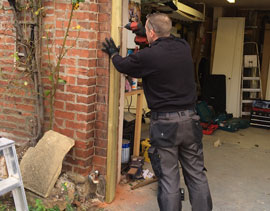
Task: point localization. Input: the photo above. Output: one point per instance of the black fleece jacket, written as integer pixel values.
(167, 73)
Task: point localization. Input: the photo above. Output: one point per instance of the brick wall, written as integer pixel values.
(17, 111)
(81, 104)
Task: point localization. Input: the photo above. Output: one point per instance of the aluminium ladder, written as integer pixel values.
(251, 78)
(14, 181)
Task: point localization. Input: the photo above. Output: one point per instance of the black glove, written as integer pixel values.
(109, 47)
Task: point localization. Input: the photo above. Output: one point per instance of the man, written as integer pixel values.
(167, 73)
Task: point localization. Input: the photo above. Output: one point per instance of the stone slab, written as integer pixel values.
(41, 165)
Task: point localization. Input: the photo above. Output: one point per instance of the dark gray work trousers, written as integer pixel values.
(177, 136)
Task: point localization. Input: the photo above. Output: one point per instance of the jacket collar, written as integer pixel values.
(171, 37)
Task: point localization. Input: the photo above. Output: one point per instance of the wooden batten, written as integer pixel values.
(113, 118)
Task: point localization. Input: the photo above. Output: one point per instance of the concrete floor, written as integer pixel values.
(238, 175)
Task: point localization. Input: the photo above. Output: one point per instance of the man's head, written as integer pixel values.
(157, 25)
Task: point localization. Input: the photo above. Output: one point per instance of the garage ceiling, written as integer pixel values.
(259, 4)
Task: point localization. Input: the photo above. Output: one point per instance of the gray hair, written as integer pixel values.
(160, 23)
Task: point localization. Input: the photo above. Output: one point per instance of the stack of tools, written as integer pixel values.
(136, 164)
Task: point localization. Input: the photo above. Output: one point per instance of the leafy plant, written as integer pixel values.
(3, 207)
(40, 207)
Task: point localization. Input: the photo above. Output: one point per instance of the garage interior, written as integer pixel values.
(230, 44)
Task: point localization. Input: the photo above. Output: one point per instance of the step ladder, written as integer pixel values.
(14, 181)
(251, 78)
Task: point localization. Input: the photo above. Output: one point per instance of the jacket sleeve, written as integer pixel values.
(130, 65)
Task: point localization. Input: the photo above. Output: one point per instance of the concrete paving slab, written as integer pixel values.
(238, 175)
(41, 165)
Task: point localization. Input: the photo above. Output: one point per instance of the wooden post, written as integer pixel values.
(113, 117)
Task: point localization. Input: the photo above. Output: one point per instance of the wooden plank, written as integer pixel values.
(113, 116)
(228, 59)
(134, 92)
(265, 58)
(138, 124)
(122, 87)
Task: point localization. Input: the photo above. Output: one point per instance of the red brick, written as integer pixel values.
(102, 81)
(15, 119)
(84, 153)
(101, 134)
(64, 131)
(102, 90)
(85, 126)
(29, 101)
(7, 125)
(87, 100)
(87, 63)
(68, 43)
(88, 35)
(63, 6)
(102, 17)
(94, 26)
(76, 125)
(80, 108)
(100, 152)
(101, 116)
(59, 105)
(69, 79)
(84, 135)
(80, 90)
(21, 133)
(83, 162)
(101, 143)
(86, 81)
(101, 107)
(86, 117)
(11, 111)
(82, 53)
(104, 8)
(101, 125)
(104, 62)
(103, 35)
(59, 122)
(59, 33)
(104, 27)
(99, 161)
(81, 144)
(69, 61)
(49, 11)
(83, 171)
(13, 99)
(60, 14)
(65, 97)
(102, 98)
(64, 115)
(25, 107)
(48, 18)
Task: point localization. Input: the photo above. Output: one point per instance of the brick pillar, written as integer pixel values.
(101, 132)
(81, 104)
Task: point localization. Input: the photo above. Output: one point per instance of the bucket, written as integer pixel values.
(125, 151)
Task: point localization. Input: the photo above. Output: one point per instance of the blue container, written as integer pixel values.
(125, 151)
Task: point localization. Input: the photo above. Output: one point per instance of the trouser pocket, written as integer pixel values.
(163, 133)
(155, 161)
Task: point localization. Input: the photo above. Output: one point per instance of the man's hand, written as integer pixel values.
(109, 47)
